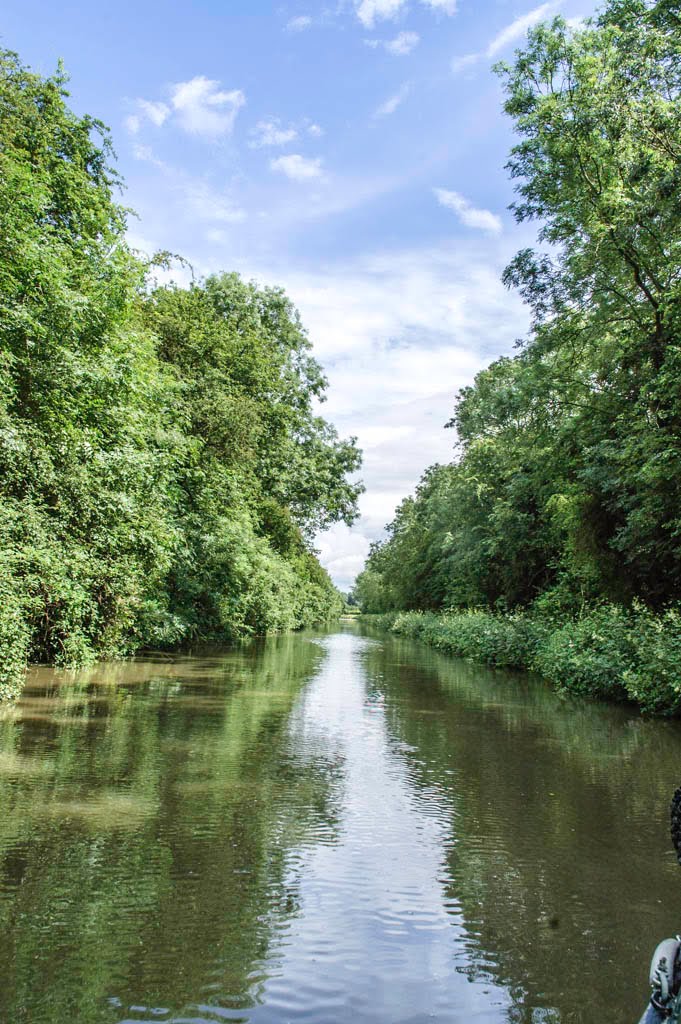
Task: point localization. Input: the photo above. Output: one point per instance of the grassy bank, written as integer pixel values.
(609, 652)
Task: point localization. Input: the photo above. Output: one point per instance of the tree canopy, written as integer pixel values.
(566, 486)
(163, 469)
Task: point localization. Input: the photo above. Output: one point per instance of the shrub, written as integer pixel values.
(507, 642)
(14, 641)
(589, 655)
(608, 652)
(654, 680)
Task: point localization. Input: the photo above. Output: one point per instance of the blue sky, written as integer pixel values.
(352, 152)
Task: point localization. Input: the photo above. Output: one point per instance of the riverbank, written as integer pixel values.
(609, 652)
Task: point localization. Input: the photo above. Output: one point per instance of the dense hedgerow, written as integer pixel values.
(609, 652)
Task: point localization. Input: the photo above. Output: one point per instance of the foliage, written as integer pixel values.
(566, 489)
(500, 641)
(609, 652)
(162, 465)
(259, 472)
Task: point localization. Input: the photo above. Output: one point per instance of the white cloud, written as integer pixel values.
(271, 133)
(398, 334)
(157, 113)
(217, 236)
(211, 205)
(343, 553)
(447, 6)
(400, 46)
(315, 130)
(204, 109)
(200, 106)
(518, 28)
(371, 11)
(467, 61)
(192, 196)
(393, 102)
(297, 167)
(147, 110)
(299, 24)
(146, 153)
(511, 34)
(484, 220)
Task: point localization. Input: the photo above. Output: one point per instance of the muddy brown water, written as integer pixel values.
(335, 827)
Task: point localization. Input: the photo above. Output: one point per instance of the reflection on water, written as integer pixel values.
(327, 829)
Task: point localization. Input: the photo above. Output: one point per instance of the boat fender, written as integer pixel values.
(665, 979)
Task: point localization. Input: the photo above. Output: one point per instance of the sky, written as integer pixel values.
(353, 153)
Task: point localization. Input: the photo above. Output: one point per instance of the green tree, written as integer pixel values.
(567, 478)
(262, 471)
(599, 115)
(83, 429)
(163, 468)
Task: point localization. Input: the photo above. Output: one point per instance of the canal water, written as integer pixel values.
(328, 828)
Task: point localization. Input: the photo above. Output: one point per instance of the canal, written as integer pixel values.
(328, 828)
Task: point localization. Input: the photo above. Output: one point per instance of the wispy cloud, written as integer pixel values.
(203, 108)
(446, 6)
(519, 28)
(469, 215)
(299, 24)
(146, 154)
(315, 130)
(157, 113)
(297, 167)
(211, 205)
(147, 110)
(271, 133)
(510, 34)
(400, 46)
(393, 102)
(371, 11)
(465, 62)
(195, 196)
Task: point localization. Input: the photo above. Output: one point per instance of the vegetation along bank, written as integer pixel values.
(162, 466)
(553, 541)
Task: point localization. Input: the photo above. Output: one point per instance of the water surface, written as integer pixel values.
(328, 828)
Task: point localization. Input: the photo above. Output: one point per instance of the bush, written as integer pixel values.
(590, 655)
(609, 652)
(14, 641)
(507, 642)
(654, 681)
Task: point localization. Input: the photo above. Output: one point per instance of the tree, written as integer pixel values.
(568, 476)
(163, 468)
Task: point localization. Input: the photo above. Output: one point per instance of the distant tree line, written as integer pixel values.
(162, 466)
(566, 489)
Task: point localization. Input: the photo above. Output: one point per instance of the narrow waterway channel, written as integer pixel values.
(328, 828)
